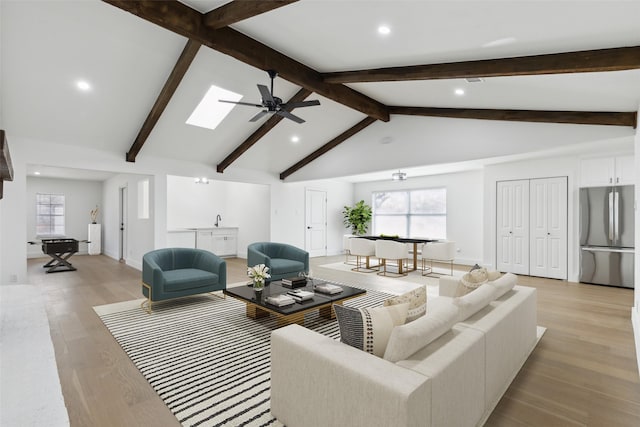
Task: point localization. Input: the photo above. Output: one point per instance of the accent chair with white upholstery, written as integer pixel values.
(442, 252)
(346, 247)
(363, 248)
(390, 252)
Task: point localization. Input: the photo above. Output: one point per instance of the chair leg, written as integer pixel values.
(148, 301)
(368, 268)
(400, 272)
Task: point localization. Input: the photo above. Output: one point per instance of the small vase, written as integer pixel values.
(257, 292)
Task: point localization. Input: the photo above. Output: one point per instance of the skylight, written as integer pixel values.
(210, 111)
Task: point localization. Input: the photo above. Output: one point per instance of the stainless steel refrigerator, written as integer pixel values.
(607, 235)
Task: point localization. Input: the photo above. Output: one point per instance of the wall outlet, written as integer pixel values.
(13, 278)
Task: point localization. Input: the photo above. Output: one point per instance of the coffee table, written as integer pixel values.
(257, 307)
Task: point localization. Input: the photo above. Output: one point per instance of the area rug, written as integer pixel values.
(414, 277)
(207, 361)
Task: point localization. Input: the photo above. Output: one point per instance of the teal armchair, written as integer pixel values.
(283, 260)
(177, 272)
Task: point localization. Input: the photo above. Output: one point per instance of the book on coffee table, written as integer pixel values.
(280, 300)
(327, 288)
(300, 295)
(294, 282)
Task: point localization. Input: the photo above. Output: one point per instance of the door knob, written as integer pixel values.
(308, 228)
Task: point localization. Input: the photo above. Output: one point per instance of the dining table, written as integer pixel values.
(413, 240)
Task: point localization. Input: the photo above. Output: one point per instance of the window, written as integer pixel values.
(49, 214)
(411, 213)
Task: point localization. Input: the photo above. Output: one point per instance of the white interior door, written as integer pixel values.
(549, 227)
(123, 225)
(316, 222)
(512, 226)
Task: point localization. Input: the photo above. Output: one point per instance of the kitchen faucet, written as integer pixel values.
(218, 218)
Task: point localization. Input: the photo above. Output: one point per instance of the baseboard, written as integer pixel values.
(635, 322)
(135, 264)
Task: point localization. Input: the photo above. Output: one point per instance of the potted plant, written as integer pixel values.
(357, 217)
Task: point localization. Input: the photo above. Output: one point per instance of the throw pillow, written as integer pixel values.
(368, 329)
(471, 280)
(417, 300)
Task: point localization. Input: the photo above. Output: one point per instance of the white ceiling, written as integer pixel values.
(47, 45)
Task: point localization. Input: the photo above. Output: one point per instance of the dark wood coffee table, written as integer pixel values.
(294, 313)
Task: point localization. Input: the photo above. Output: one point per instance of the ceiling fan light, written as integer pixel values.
(399, 176)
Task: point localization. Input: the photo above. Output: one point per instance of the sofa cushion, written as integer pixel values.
(283, 266)
(368, 329)
(417, 300)
(407, 339)
(503, 284)
(475, 301)
(188, 278)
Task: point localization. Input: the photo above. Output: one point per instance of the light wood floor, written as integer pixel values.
(582, 373)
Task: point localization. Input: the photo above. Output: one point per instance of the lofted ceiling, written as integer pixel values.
(47, 46)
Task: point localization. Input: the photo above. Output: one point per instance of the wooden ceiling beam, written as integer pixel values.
(328, 146)
(587, 61)
(188, 22)
(179, 70)
(239, 10)
(260, 132)
(573, 117)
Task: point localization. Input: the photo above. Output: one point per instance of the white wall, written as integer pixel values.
(464, 207)
(80, 198)
(635, 311)
(288, 211)
(139, 231)
(242, 205)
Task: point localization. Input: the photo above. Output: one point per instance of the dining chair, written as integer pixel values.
(363, 248)
(392, 253)
(440, 252)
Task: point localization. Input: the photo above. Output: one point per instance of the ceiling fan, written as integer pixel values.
(273, 104)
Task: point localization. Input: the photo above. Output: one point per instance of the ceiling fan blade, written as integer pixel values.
(291, 105)
(259, 116)
(288, 115)
(266, 95)
(241, 103)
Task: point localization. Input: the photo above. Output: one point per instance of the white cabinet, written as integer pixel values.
(531, 227)
(220, 241)
(95, 239)
(602, 171)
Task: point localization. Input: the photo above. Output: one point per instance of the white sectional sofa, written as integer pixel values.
(448, 368)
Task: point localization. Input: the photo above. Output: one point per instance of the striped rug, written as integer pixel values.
(206, 360)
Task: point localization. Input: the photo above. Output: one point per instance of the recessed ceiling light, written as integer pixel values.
(295, 138)
(36, 173)
(83, 85)
(459, 91)
(210, 111)
(384, 30)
